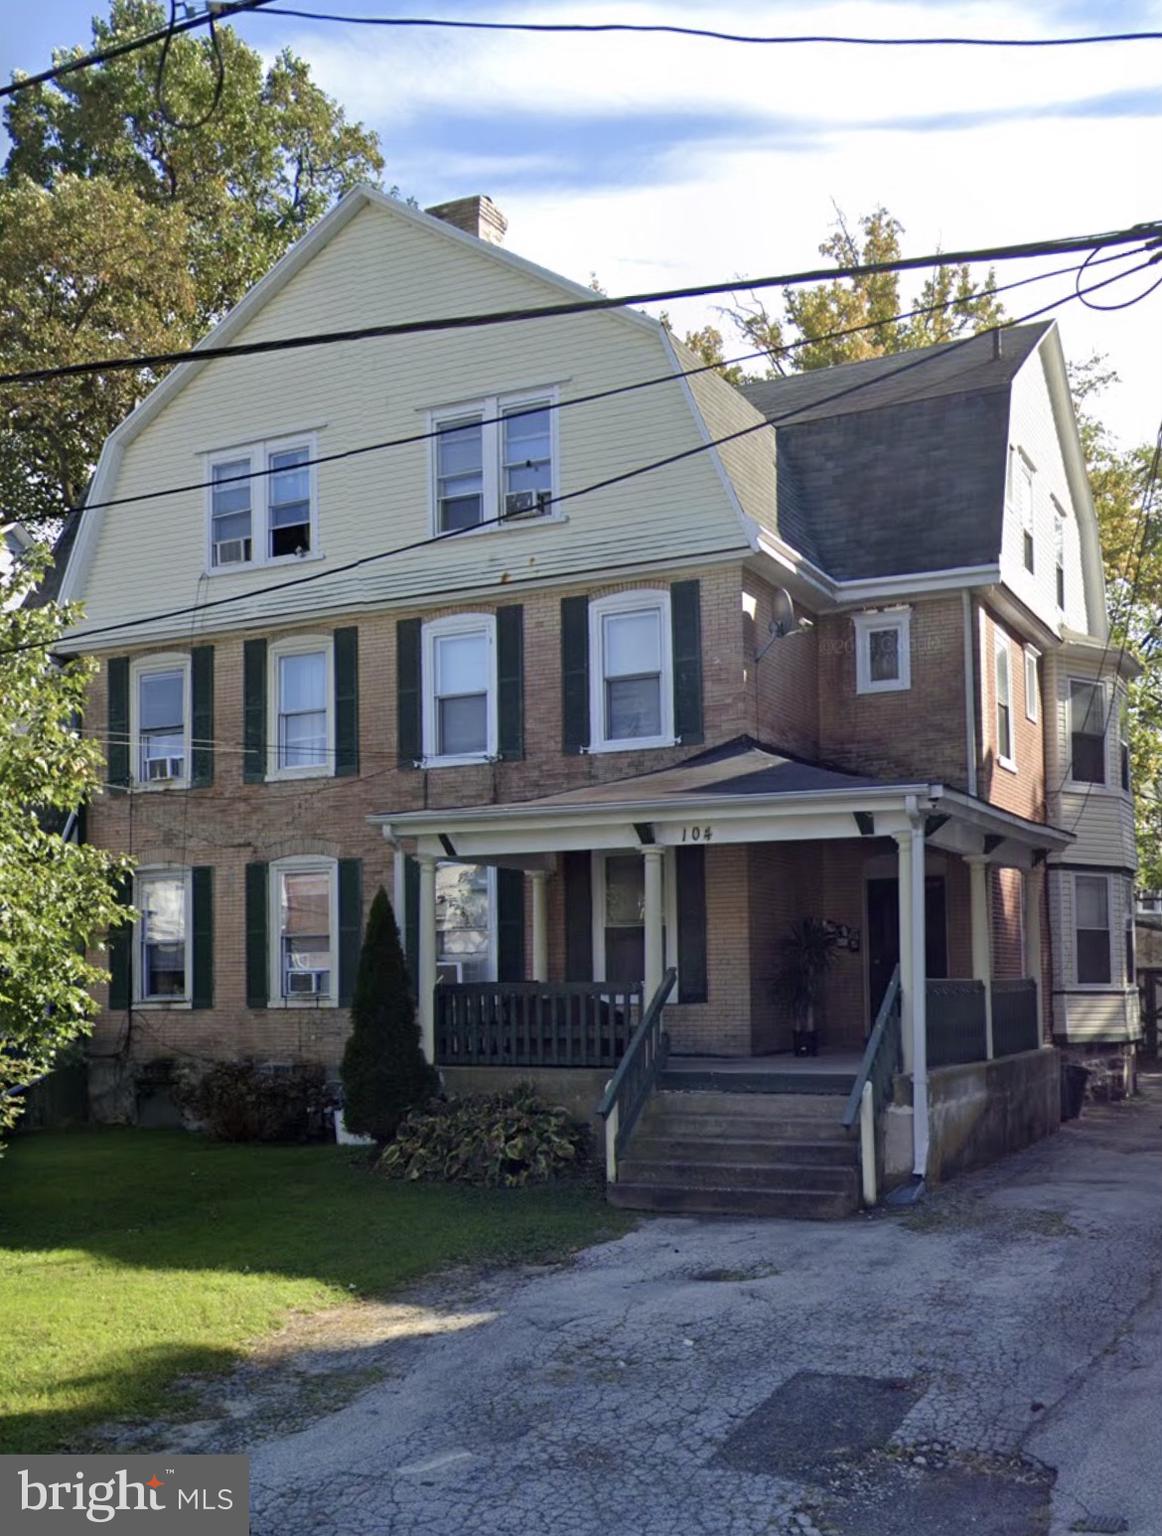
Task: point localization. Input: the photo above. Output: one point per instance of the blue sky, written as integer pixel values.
(654, 161)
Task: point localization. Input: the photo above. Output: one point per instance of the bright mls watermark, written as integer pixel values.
(152, 1495)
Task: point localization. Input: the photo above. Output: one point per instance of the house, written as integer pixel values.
(15, 542)
(604, 730)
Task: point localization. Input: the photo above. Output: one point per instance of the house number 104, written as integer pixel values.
(697, 834)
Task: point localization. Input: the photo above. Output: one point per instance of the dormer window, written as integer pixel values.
(262, 504)
(883, 662)
(494, 462)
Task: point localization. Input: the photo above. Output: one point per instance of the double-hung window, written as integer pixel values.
(1004, 678)
(1087, 732)
(161, 969)
(305, 900)
(1059, 554)
(459, 687)
(161, 711)
(883, 661)
(631, 684)
(1021, 500)
(1091, 899)
(1032, 683)
(302, 700)
(1124, 741)
(263, 503)
(494, 461)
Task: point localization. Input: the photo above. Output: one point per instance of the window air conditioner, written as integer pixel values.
(232, 552)
(306, 983)
(164, 768)
(525, 503)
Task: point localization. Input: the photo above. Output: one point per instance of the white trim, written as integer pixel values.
(1093, 986)
(431, 633)
(305, 864)
(598, 858)
(179, 874)
(258, 452)
(1032, 695)
(299, 645)
(878, 588)
(640, 599)
(877, 622)
(1003, 647)
(489, 407)
(142, 666)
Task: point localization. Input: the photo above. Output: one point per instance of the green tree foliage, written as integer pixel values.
(384, 1071)
(56, 897)
(162, 229)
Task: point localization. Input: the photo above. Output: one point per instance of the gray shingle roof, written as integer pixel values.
(897, 464)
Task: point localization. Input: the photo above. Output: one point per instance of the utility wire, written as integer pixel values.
(717, 36)
(216, 10)
(75, 641)
(1072, 245)
(603, 394)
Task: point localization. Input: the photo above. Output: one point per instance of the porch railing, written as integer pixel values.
(956, 1022)
(881, 1056)
(637, 1072)
(1015, 1017)
(535, 1024)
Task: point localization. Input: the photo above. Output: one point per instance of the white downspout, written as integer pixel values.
(969, 691)
(919, 998)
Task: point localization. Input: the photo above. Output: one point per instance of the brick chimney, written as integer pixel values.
(477, 216)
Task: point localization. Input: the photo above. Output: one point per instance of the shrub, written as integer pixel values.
(242, 1101)
(384, 1072)
(500, 1140)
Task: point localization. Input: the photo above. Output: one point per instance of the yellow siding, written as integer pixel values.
(749, 460)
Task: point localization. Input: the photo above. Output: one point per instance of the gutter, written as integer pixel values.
(969, 692)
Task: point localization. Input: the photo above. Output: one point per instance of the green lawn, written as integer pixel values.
(129, 1257)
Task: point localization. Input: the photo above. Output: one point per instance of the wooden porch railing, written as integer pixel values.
(1015, 1017)
(637, 1072)
(956, 1021)
(535, 1024)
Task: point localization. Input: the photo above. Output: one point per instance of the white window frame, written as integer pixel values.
(490, 408)
(493, 920)
(259, 454)
(1059, 556)
(1032, 683)
(307, 864)
(143, 666)
(671, 957)
(1021, 464)
(872, 622)
(433, 631)
(142, 876)
(1002, 647)
(1096, 986)
(599, 610)
(1084, 786)
(299, 645)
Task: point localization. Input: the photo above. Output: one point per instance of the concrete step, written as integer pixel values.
(820, 1106)
(736, 1082)
(670, 1122)
(834, 1152)
(682, 1199)
(714, 1175)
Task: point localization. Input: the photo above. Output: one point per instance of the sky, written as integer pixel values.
(655, 162)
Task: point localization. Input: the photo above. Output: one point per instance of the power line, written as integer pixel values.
(717, 36)
(604, 394)
(216, 10)
(1079, 245)
(75, 641)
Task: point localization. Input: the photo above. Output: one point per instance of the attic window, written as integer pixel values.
(262, 504)
(494, 462)
(883, 661)
(1021, 501)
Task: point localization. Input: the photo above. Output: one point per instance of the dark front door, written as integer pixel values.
(883, 934)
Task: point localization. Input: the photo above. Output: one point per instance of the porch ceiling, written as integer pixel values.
(740, 793)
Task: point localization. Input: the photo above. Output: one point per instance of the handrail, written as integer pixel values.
(637, 1071)
(875, 1044)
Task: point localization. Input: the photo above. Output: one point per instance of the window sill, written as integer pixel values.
(297, 1003)
(291, 775)
(277, 562)
(157, 786)
(162, 1004)
(481, 529)
(465, 760)
(635, 744)
(1009, 764)
(1082, 787)
(896, 686)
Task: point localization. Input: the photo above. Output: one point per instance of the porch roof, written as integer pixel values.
(739, 792)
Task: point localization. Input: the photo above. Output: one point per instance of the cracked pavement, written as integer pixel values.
(1018, 1308)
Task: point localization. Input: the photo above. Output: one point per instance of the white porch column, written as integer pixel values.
(904, 884)
(653, 919)
(982, 961)
(919, 966)
(426, 982)
(540, 926)
(1032, 886)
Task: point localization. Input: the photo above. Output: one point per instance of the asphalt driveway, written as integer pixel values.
(989, 1363)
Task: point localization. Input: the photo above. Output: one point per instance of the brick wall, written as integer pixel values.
(1023, 790)
(782, 673)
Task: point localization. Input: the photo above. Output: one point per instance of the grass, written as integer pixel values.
(129, 1258)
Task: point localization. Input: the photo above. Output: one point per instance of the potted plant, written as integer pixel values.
(805, 954)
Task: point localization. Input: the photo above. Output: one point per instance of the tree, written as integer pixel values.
(56, 896)
(384, 1071)
(205, 212)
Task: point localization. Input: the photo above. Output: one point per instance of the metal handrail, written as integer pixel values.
(881, 1037)
(637, 1071)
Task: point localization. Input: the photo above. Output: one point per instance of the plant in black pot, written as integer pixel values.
(805, 954)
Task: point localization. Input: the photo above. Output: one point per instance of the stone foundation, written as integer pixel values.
(1112, 1068)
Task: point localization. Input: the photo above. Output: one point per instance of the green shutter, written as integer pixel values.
(510, 924)
(409, 743)
(691, 870)
(257, 937)
(510, 680)
(202, 931)
(117, 732)
(350, 926)
(254, 711)
(202, 716)
(411, 918)
(575, 673)
(346, 702)
(120, 951)
(577, 869)
(686, 631)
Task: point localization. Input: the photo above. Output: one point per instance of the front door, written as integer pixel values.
(883, 934)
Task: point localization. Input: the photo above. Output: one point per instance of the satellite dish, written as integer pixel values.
(783, 616)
